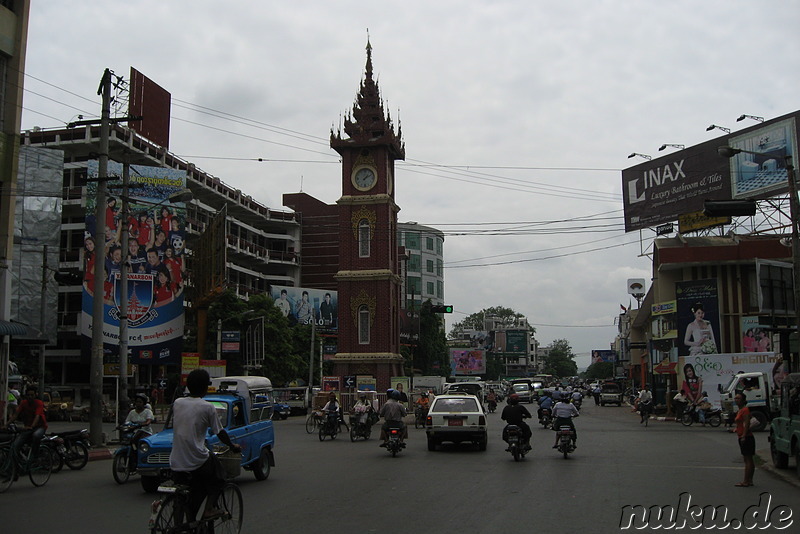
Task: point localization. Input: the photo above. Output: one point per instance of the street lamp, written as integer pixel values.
(794, 212)
(665, 145)
(754, 117)
(714, 126)
(634, 154)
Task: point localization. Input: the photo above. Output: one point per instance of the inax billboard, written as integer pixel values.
(661, 190)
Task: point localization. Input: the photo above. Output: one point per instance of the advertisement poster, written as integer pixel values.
(467, 361)
(156, 234)
(754, 337)
(303, 306)
(698, 317)
(330, 383)
(764, 173)
(516, 341)
(604, 356)
(366, 383)
(665, 320)
(704, 373)
(402, 384)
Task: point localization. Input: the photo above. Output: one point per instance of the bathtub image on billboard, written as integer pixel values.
(764, 173)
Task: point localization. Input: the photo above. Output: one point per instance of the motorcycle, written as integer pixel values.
(330, 427)
(566, 440)
(547, 418)
(690, 416)
(516, 446)
(127, 455)
(492, 404)
(361, 425)
(577, 403)
(394, 443)
(70, 448)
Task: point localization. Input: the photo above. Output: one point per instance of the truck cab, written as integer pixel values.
(784, 436)
(762, 402)
(244, 406)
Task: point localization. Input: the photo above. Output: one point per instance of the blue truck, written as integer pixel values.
(245, 408)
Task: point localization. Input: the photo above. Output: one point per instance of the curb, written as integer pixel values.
(99, 453)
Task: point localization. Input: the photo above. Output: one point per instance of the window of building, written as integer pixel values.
(363, 325)
(439, 247)
(363, 238)
(412, 240)
(414, 263)
(439, 289)
(439, 268)
(428, 243)
(430, 288)
(429, 266)
(414, 285)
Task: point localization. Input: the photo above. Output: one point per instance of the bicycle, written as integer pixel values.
(173, 513)
(314, 420)
(15, 461)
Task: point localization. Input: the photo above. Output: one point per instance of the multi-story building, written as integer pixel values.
(13, 44)
(424, 270)
(262, 243)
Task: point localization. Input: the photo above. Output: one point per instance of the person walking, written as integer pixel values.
(747, 443)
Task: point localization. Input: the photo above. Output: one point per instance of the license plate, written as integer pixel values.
(455, 422)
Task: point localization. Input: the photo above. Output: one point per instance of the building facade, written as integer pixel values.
(423, 278)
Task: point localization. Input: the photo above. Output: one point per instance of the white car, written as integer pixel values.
(456, 417)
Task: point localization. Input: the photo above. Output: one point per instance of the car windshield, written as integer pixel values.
(521, 387)
(455, 405)
(611, 388)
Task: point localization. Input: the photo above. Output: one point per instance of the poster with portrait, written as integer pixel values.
(698, 317)
(303, 306)
(402, 385)
(155, 254)
(467, 361)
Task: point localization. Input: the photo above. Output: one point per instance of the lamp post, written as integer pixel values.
(794, 213)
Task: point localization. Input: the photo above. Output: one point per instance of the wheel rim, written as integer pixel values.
(165, 519)
(77, 456)
(120, 468)
(7, 468)
(231, 502)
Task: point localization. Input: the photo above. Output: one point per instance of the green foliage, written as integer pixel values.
(475, 321)
(561, 360)
(431, 354)
(600, 370)
(286, 348)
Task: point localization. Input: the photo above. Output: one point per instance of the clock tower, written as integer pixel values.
(368, 279)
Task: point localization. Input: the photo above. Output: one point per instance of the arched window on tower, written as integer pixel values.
(363, 238)
(363, 325)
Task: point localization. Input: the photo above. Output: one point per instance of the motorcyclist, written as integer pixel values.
(515, 414)
(545, 403)
(332, 411)
(393, 412)
(563, 412)
(491, 399)
(363, 408)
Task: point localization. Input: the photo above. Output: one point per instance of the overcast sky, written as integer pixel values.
(518, 116)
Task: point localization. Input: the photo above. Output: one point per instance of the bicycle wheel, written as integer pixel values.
(77, 455)
(714, 420)
(6, 469)
(230, 501)
(311, 423)
(40, 467)
(119, 468)
(165, 518)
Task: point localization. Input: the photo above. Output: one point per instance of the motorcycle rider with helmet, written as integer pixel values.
(563, 412)
(515, 414)
(392, 411)
(545, 403)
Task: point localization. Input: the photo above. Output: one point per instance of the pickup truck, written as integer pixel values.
(784, 436)
(610, 393)
(244, 406)
(763, 403)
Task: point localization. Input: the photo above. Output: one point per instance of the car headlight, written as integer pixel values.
(143, 447)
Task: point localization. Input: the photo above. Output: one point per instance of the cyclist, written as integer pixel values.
(31, 411)
(191, 418)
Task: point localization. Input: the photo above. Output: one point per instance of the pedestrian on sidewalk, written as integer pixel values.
(747, 442)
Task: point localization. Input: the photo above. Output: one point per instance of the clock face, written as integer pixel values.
(364, 178)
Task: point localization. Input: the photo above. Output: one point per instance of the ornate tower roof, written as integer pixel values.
(367, 124)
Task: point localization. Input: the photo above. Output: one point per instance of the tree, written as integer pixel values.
(431, 354)
(560, 361)
(600, 370)
(476, 321)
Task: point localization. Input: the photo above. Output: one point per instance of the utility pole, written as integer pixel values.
(96, 364)
(42, 314)
(122, 394)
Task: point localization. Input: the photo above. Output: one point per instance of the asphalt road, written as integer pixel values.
(339, 486)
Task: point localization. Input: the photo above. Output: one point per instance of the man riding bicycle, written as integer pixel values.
(190, 458)
(31, 411)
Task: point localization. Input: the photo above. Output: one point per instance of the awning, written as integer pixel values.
(7, 328)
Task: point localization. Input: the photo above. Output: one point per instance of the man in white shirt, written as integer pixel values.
(645, 403)
(190, 458)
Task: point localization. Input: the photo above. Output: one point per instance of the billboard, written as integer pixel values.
(303, 306)
(467, 361)
(664, 323)
(151, 102)
(698, 317)
(660, 190)
(156, 276)
(604, 356)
